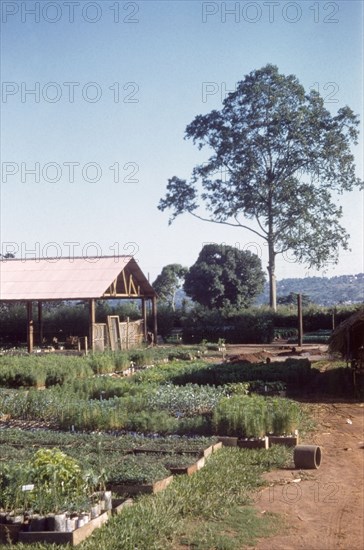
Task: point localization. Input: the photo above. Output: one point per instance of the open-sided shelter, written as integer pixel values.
(86, 278)
(348, 339)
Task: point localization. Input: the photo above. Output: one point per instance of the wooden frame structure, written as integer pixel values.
(348, 340)
(88, 279)
(114, 331)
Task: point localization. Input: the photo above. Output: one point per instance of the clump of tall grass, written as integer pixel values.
(255, 416)
(40, 370)
(105, 363)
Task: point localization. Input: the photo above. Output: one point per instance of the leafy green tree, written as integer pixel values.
(291, 299)
(225, 277)
(278, 156)
(168, 282)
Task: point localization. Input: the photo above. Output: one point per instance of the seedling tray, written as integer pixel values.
(141, 488)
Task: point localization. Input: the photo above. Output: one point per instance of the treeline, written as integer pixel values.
(252, 325)
(324, 291)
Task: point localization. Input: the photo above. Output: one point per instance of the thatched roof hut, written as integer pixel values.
(348, 338)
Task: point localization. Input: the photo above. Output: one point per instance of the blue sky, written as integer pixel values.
(116, 85)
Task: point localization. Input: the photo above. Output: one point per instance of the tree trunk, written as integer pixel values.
(300, 321)
(272, 277)
(271, 253)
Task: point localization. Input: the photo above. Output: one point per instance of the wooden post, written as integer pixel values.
(348, 346)
(144, 313)
(154, 315)
(91, 323)
(127, 333)
(300, 320)
(40, 323)
(30, 327)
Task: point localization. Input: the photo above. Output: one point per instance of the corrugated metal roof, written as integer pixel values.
(63, 278)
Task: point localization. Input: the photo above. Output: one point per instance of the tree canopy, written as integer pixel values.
(278, 157)
(168, 282)
(224, 276)
(291, 299)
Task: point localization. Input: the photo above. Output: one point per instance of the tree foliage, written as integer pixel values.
(291, 299)
(278, 159)
(168, 282)
(224, 276)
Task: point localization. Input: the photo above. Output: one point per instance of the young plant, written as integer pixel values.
(57, 478)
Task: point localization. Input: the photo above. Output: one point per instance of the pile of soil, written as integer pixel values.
(258, 357)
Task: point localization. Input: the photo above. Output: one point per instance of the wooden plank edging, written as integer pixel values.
(78, 535)
(288, 440)
(73, 538)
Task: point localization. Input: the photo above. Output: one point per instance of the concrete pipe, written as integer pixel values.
(307, 457)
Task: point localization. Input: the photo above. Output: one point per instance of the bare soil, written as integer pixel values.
(278, 351)
(323, 511)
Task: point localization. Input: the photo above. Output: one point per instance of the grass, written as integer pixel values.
(210, 509)
(217, 498)
(239, 529)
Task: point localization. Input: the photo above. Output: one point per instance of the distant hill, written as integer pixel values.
(325, 291)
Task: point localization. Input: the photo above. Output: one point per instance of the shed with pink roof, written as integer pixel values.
(86, 278)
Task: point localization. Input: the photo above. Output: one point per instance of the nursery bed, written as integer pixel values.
(14, 533)
(141, 488)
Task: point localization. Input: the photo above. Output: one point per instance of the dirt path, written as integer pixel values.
(325, 510)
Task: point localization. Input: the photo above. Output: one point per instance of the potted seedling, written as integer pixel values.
(57, 479)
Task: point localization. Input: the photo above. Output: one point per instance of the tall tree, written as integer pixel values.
(168, 282)
(224, 276)
(277, 158)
